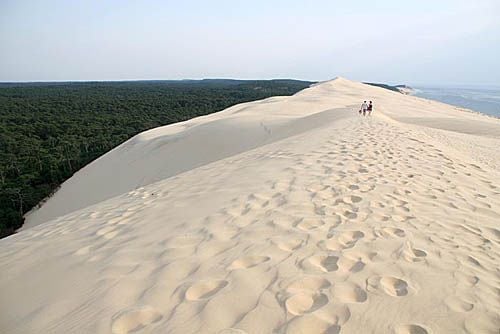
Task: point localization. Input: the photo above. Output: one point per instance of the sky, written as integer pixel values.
(444, 42)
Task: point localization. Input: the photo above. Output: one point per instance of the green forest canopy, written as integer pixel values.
(48, 131)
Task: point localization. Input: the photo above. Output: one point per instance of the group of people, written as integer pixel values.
(366, 108)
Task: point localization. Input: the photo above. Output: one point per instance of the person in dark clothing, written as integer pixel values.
(370, 108)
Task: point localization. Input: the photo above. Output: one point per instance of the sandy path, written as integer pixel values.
(361, 225)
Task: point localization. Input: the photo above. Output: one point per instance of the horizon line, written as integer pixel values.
(416, 85)
(183, 79)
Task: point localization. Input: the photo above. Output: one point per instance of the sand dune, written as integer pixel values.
(287, 215)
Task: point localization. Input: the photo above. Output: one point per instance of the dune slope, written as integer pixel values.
(311, 220)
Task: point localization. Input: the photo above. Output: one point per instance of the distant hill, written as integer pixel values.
(404, 89)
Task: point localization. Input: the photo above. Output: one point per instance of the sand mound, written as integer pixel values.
(288, 215)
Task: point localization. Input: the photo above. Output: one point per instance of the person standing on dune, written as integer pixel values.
(370, 108)
(364, 106)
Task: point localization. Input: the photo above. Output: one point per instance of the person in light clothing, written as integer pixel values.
(364, 106)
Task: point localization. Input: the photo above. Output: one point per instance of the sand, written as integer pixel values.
(286, 215)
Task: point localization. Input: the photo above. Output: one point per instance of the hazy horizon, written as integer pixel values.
(412, 85)
(426, 43)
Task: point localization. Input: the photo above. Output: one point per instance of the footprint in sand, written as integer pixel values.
(390, 232)
(334, 222)
(308, 283)
(325, 263)
(349, 238)
(132, 320)
(411, 254)
(289, 245)
(366, 188)
(364, 255)
(471, 260)
(204, 289)
(458, 305)
(491, 233)
(307, 224)
(400, 218)
(348, 214)
(349, 265)
(344, 241)
(352, 199)
(248, 262)
(347, 292)
(305, 302)
(311, 323)
(392, 286)
(465, 279)
(331, 244)
(305, 296)
(411, 329)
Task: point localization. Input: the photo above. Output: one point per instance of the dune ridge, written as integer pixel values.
(312, 220)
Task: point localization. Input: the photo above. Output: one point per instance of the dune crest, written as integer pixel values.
(286, 215)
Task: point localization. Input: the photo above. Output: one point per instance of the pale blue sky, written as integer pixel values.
(423, 42)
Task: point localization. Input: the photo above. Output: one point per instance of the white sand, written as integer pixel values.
(287, 215)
